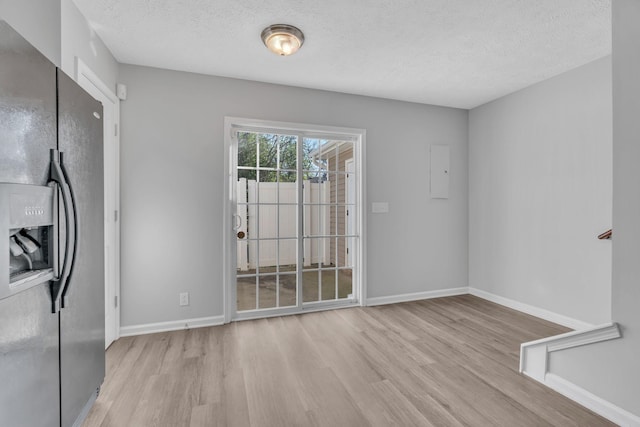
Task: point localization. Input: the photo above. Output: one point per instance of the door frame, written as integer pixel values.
(90, 82)
(349, 220)
(231, 125)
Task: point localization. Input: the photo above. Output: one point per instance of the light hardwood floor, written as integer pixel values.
(442, 362)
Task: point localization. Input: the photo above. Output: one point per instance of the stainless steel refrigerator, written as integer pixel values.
(52, 234)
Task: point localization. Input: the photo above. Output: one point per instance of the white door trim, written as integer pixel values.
(229, 257)
(90, 82)
(350, 219)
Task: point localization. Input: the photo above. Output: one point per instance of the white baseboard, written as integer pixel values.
(174, 325)
(392, 299)
(591, 401)
(532, 310)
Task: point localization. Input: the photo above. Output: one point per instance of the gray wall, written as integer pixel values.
(80, 41)
(38, 21)
(540, 177)
(610, 369)
(172, 187)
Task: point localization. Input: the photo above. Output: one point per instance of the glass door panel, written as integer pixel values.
(294, 226)
(325, 220)
(266, 215)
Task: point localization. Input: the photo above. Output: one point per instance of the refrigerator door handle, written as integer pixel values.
(74, 209)
(58, 282)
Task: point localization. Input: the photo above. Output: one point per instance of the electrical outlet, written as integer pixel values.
(184, 298)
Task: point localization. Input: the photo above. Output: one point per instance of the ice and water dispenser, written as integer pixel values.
(28, 255)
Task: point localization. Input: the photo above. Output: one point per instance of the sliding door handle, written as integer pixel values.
(237, 222)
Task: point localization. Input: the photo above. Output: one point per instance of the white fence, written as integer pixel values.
(265, 214)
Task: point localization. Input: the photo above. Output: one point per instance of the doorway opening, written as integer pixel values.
(294, 238)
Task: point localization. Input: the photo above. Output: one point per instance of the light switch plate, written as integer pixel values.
(380, 207)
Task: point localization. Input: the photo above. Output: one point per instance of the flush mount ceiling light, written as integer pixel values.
(282, 39)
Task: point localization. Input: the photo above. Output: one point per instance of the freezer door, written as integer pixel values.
(29, 394)
(29, 381)
(27, 110)
(82, 358)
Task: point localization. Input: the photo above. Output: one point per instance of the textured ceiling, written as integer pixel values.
(459, 53)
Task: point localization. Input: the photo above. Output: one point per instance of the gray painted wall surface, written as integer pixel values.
(610, 369)
(172, 187)
(38, 21)
(540, 178)
(79, 40)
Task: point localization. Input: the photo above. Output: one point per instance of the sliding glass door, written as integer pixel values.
(295, 221)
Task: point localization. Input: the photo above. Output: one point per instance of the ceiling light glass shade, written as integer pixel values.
(282, 39)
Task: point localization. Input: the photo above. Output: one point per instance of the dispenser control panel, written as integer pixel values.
(27, 236)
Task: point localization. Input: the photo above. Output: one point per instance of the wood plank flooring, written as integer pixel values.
(441, 362)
